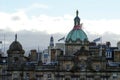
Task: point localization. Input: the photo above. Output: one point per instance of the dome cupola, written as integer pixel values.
(15, 46)
(76, 34)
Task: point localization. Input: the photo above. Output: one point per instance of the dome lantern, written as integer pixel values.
(77, 19)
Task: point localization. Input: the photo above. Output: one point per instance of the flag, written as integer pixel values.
(61, 38)
(96, 40)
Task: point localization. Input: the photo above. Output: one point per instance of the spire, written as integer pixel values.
(15, 37)
(77, 13)
(77, 19)
(52, 41)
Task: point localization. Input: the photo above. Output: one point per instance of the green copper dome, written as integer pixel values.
(76, 34)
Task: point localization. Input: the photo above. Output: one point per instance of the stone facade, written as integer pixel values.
(76, 59)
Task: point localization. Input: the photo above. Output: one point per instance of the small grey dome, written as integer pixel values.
(15, 46)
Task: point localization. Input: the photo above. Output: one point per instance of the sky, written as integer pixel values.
(51, 17)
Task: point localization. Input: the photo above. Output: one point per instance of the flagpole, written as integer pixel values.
(101, 47)
(63, 38)
(4, 43)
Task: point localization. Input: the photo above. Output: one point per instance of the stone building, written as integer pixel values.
(15, 60)
(76, 59)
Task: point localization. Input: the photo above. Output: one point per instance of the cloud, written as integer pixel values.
(61, 24)
(38, 5)
(15, 18)
(35, 31)
(34, 6)
(28, 39)
(102, 26)
(106, 37)
(34, 39)
(21, 21)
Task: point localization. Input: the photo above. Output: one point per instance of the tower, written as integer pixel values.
(15, 59)
(50, 48)
(51, 41)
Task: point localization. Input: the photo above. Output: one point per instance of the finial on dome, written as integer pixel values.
(76, 19)
(15, 37)
(77, 13)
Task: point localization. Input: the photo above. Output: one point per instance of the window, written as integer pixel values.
(15, 79)
(75, 78)
(38, 78)
(104, 78)
(114, 76)
(97, 67)
(68, 67)
(108, 54)
(3, 71)
(15, 75)
(4, 61)
(90, 78)
(83, 65)
(15, 59)
(67, 79)
(27, 74)
(49, 76)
